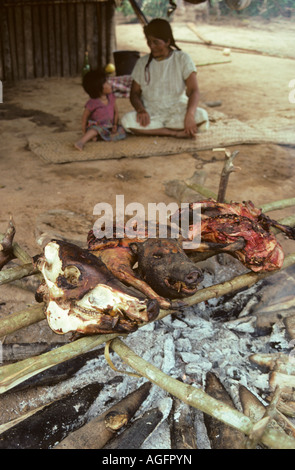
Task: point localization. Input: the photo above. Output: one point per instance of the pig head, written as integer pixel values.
(163, 265)
(82, 296)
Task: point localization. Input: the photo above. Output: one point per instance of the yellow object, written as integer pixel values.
(110, 68)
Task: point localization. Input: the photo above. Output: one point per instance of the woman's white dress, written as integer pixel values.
(164, 96)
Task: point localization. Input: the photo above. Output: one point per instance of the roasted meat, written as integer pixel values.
(82, 296)
(240, 229)
(164, 271)
(165, 267)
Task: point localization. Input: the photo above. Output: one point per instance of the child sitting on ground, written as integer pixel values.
(100, 117)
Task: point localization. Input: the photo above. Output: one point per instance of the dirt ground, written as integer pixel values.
(252, 86)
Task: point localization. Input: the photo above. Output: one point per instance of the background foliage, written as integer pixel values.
(263, 8)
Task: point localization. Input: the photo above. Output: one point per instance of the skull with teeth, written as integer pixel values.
(82, 296)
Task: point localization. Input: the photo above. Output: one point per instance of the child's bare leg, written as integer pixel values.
(89, 135)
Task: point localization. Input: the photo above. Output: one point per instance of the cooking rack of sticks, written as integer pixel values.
(272, 429)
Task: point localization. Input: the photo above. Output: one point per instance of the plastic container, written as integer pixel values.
(125, 61)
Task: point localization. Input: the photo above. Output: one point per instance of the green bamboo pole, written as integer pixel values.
(19, 272)
(13, 374)
(271, 206)
(21, 319)
(239, 282)
(282, 204)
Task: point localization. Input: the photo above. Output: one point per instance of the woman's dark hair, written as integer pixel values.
(93, 83)
(160, 29)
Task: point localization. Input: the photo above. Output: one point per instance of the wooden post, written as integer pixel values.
(51, 41)
(89, 26)
(12, 43)
(28, 42)
(7, 73)
(72, 36)
(19, 40)
(37, 41)
(44, 39)
(57, 29)
(81, 47)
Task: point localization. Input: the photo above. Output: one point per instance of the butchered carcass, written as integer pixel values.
(164, 266)
(163, 270)
(82, 296)
(239, 229)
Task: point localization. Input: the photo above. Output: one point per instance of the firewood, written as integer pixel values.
(251, 405)
(13, 352)
(6, 251)
(254, 408)
(53, 422)
(18, 272)
(59, 372)
(289, 323)
(279, 362)
(284, 381)
(183, 435)
(221, 435)
(7, 244)
(268, 360)
(97, 432)
(137, 432)
(287, 408)
(266, 319)
(21, 319)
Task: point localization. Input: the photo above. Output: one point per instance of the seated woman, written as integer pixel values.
(164, 90)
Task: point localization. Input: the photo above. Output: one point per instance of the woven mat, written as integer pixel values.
(223, 132)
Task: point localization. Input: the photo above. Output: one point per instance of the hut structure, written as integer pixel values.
(48, 38)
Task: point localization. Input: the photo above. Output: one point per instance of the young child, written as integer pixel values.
(100, 117)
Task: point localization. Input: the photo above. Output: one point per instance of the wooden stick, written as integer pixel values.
(213, 63)
(228, 168)
(197, 398)
(193, 28)
(233, 48)
(21, 319)
(12, 274)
